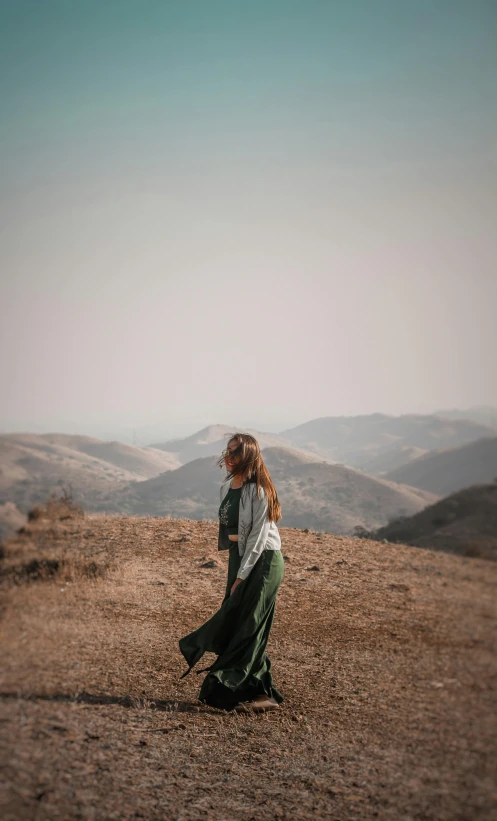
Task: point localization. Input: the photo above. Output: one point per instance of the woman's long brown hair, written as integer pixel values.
(249, 465)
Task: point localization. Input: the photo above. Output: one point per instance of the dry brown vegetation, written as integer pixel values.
(384, 654)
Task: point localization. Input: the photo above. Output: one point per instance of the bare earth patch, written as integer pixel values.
(385, 656)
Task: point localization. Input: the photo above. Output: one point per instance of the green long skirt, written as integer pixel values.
(238, 633)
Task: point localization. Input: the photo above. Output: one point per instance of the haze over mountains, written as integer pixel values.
(378, 442)
(332, 473)
(484, 414)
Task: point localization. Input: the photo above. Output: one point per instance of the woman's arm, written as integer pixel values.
(257, 536)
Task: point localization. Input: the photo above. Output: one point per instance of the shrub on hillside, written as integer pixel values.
(58, 507)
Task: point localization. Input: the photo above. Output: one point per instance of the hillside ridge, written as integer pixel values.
(464, 522)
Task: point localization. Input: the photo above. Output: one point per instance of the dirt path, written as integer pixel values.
(385, 656)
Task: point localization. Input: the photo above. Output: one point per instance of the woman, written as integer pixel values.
(240, 678)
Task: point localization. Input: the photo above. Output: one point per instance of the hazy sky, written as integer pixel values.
(252, 213)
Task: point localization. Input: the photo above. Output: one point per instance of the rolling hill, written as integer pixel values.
(464, 522)
(445, 471)
(34, 465)
(141, 461)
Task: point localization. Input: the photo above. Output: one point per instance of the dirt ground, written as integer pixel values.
(385, 656)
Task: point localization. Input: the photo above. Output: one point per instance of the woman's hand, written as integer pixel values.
(235, 585)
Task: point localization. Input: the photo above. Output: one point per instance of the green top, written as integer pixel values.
(229, 508)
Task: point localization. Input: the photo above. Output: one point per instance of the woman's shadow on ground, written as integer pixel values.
(165, 705)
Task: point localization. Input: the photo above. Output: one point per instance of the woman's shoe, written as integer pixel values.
(261, 704)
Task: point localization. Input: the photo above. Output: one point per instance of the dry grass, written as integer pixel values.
(384, 656)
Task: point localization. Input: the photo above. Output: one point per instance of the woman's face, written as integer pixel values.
(227, 461)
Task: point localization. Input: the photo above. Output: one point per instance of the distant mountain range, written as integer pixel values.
(333, 473)
(377, 442)
(211, 441)
(313, 493)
